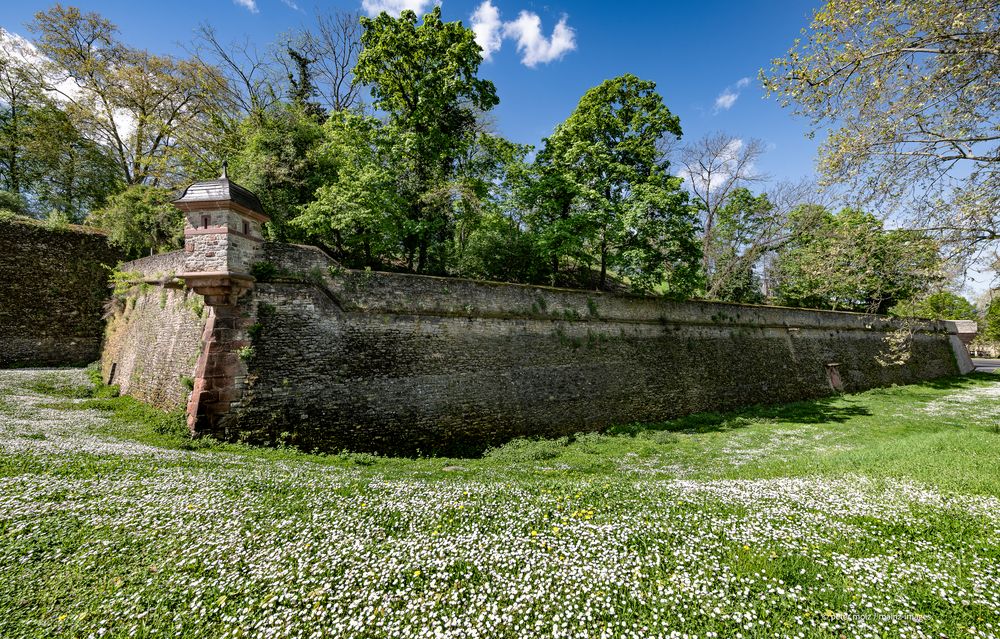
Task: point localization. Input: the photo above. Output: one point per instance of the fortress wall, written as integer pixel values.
(53, 286)
(154, 334)
(403, 363)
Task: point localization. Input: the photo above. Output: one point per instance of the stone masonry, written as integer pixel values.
(330, 358)
(53, 289)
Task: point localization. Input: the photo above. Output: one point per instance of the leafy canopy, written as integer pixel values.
(424, 77)
(848, 261)
(911, 90)
(606, 181)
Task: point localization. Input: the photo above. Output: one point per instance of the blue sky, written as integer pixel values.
(694, 51)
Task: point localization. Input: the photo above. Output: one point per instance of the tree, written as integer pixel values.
(356, 210)
(943, 305)
(276, 160)
(610, 178)
(912, 88)
(247, 80)
(43, 156)
(743, 226)
(73, 174)
(142, 221)
(715, 167)
(302, 88)
(140, 107)
(424, 78)
(335, 45)
(21, 90)
(848, 261)
(989, 331)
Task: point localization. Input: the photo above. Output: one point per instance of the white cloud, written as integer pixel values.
(534, 47)
(488, 28)
(291, 5)
(249, 5)
(729, 95)
(726, 100)
(395, 7)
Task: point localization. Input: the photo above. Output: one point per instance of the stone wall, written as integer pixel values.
(53, 287)
(154, 334)
(398, 363)
(402, 363)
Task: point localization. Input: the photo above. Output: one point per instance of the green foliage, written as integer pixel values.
(848, 261)
(45, 158)
(734, 249)
(356, 210)
(141, 220)
(604, 194)
(498, 249)
(263, 271)
(888, 80)
(12, 203)
(424, 77)
(166, 100)
(990, 329)
(275, 160)
(122, 282)
(943, 305)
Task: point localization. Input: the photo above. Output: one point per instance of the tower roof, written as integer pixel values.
(222, 189)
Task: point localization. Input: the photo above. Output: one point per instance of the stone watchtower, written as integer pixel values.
(222, 236)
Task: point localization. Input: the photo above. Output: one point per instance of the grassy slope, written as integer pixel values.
(660, 487)
(880, 433)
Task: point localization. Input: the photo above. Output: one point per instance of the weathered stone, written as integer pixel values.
(398, 363)
(53, 287)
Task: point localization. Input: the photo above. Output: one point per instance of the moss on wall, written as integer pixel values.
(53, 287)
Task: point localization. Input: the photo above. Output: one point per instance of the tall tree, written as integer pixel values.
(74, 175)
(248, 81)
(21, 91)
(335, 44)
(744, 229)
(276, 159)
(424, 77)
(43, 156)
(715, 167)
(606, 164)
(139, 106)
(356, 210)
(849, 261)
(302, 87)
(911, 89)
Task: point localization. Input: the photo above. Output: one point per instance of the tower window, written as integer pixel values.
(246, 228)
(205, 220)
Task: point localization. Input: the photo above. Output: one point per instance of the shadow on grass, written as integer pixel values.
(825, 410)
(964, 381)
(817, 411)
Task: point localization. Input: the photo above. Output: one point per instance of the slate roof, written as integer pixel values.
(221, 190)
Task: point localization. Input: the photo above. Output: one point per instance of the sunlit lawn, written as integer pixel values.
(868, 515)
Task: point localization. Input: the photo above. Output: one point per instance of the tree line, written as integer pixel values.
(372, 138)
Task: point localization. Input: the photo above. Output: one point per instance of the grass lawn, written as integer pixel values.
(869, 515)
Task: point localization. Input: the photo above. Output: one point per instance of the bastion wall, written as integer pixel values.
(334, 358)
(53, 288)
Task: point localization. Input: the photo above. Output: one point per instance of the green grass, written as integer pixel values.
(768, 521)
(882, 433)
